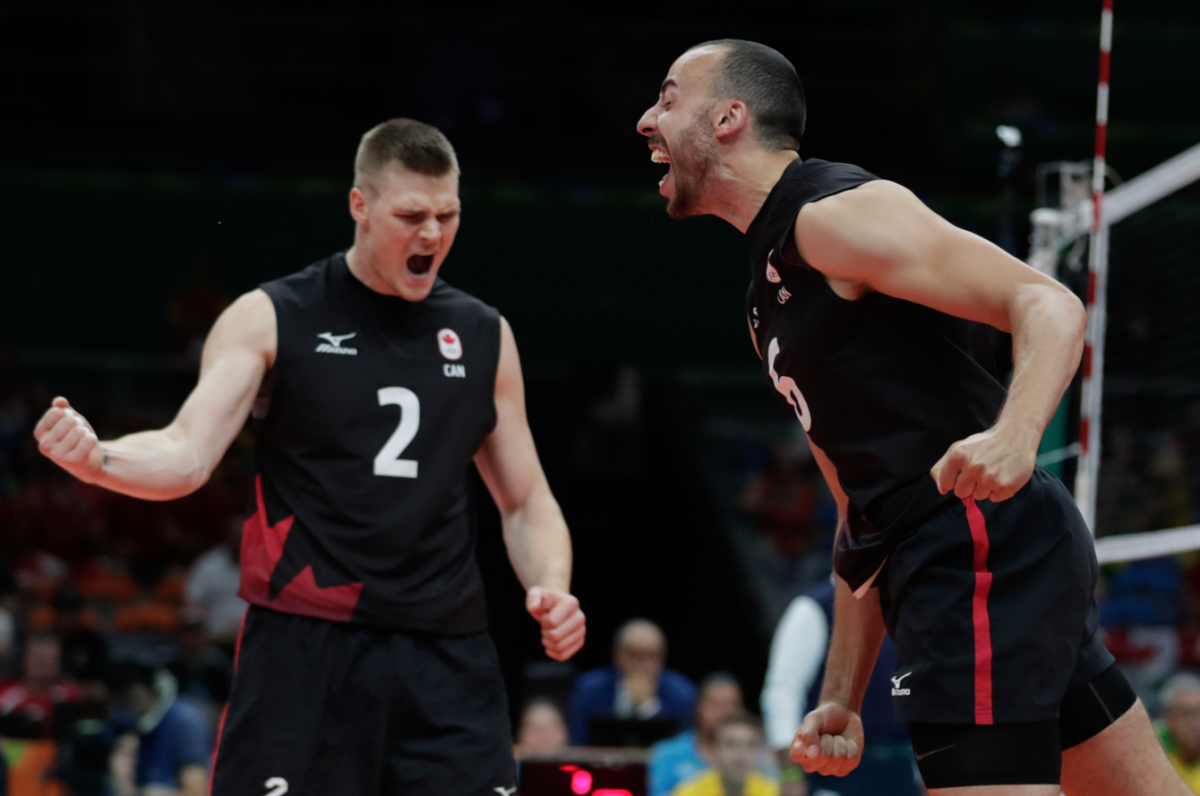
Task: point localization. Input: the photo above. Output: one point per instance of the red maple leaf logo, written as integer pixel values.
(449, 339)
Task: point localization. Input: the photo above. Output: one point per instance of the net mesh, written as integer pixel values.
(1150, 464)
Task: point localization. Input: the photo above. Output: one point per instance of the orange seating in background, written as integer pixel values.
(171, 588)
(41, 617)
(146, 617)
(105, 585)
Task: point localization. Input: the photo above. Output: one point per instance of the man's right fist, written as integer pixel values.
(68, 440)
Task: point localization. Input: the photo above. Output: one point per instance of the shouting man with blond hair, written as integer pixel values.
(364, 665)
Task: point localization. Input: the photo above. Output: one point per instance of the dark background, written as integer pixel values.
(149, 147)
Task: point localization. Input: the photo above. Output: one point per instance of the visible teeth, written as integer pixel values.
(658, 156)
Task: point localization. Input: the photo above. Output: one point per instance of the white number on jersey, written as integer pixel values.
(388, 461)
(276, 786)
(787, 387)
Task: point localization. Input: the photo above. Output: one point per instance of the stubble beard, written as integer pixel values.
(693, 160)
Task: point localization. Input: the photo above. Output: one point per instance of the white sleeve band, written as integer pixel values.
(797, 652)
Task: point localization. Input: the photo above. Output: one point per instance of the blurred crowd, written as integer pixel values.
(118, 620)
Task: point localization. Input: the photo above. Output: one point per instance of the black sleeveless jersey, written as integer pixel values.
(365, 430)
(882, 385)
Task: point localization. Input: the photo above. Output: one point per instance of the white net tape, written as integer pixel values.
(1151, 544)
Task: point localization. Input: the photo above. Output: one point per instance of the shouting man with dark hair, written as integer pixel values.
(868, 312)
(364, 665)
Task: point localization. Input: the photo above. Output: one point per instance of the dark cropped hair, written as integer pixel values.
(767, 82)
(414, 145)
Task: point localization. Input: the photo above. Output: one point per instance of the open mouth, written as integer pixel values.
(659, 155)
(419, 264)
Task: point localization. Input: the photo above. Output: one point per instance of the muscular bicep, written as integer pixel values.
(881, 237)
(237, 353)
(508, 460)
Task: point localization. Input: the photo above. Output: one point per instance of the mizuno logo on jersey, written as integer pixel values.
(784, 295)
(334, 346)
(896, 689)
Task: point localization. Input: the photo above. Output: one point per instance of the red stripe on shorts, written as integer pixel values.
(237, 653)
(979, 615)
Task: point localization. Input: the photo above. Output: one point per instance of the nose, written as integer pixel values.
(648, 124)
(431, 230)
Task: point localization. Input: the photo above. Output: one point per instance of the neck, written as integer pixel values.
(739, 187)
(706, 740)
(364, 269)
(733, 785)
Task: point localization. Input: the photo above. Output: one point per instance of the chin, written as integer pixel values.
(415, 292)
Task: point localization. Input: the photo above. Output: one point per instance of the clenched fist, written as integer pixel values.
(563, 624)
(991, 465)
(829, 741)
(66, 438)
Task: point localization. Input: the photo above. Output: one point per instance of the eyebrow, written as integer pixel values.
(670, 81)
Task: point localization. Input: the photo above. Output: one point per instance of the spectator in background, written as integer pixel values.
(782, 501)
(542, 729)
(204, 673)
(792, 687)
(1179, 729)
(175, 741)
(84, 650)
(27, 705)
(739, 741)
(686, 755)
(637, 686)
(213, 585)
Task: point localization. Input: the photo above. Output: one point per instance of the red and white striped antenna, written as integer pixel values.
(1087, 475)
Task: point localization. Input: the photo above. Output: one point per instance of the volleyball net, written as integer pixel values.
(1137, 476)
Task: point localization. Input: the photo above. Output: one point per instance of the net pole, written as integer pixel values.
(1087, 475)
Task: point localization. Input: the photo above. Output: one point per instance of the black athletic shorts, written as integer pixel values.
(322, 707)
(991, 607)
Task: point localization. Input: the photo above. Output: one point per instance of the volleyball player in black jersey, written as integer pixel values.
(364, 665)
(868, 310)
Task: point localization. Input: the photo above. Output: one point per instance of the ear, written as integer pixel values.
(731, 118)
(358, 206)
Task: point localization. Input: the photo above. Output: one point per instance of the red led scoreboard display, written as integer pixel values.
(585, 772)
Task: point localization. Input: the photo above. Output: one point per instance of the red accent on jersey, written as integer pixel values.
(449, 339)
(262, 547)
(979, 611)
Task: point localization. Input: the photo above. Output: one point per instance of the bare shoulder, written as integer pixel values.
(847, 235)
(246, 325)
(871, 204)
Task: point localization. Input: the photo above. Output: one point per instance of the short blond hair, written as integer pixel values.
(416, 146)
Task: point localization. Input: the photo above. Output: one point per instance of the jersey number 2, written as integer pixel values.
(388, 461)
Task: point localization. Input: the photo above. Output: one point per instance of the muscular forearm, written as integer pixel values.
(153, 465)
(1047, 327)
(857, 633)
(539, 545)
